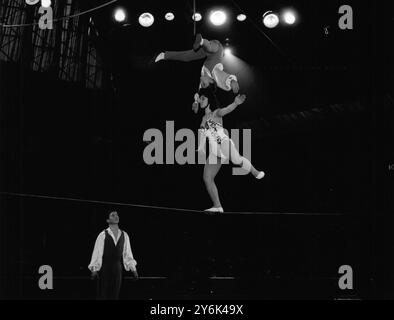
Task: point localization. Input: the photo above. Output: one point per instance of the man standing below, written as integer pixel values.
(112, 248)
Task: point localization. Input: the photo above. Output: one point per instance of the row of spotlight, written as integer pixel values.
(219, 17)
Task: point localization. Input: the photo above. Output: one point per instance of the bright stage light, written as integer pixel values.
(289, 17)
(270, 19)
(197, 17)
(169, 16)
(146, 19)
(46, 3)
(120, 15)
(218, 18)
(227, 51)
(241, 17)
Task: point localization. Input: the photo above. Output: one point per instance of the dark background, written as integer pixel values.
(60, 139)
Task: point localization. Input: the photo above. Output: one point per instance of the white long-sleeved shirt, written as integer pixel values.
(97, 256)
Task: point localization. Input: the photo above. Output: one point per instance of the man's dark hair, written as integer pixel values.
(110, 211)
(210, 93)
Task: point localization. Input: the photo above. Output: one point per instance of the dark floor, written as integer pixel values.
(269, 288)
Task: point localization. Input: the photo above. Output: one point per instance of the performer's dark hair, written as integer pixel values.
(210, 93)
(109, 211)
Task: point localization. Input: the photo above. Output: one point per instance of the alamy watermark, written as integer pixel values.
(46, 12)
(46, 280)
(346, 20)
(345, 282)
(161, 148)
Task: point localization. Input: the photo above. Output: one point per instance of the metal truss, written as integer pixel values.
(11, 12)
(65, 50)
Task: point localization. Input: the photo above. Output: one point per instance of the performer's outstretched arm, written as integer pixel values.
(240, 99)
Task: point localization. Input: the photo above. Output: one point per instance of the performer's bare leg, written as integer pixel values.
(229, 150)
(210, 171)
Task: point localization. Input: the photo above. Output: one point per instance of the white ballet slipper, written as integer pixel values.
(220, 210)
(261, 175)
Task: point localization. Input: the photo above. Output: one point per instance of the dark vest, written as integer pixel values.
(113, 254)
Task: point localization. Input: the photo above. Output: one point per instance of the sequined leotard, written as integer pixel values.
(214, 131)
